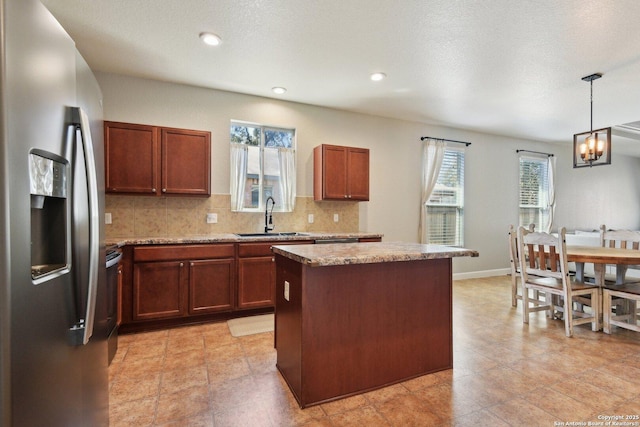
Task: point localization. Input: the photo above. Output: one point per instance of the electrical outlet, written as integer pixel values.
(336, 217)
(310, 218)
(286, 290)
(107, 218)
(212, 218)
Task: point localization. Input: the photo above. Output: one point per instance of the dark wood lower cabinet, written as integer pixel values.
(178, 288)
(211, 285)
(256, 282)
(257, 273)
(168, 285)
(179, 282)
(158, 290)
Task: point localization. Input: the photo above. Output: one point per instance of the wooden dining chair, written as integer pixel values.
(543, 267)
(623, 313)
(516, 293)
(624, 239)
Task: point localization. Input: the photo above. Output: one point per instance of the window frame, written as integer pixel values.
(542, 205)
(431, 206)
(279, 207)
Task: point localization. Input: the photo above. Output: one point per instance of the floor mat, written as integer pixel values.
(251, 325)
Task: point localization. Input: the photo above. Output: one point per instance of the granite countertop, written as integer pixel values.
(368, 253)
(234, 238)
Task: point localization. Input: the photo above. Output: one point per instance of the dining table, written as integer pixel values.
(600, 256)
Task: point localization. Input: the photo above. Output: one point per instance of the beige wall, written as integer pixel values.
(586, 197)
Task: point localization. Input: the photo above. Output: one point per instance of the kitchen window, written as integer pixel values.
(534, 192)
(445, 208)
(262, 166)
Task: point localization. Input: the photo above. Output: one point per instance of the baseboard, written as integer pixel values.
(483, 273)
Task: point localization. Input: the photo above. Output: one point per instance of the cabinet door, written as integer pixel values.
(334, 171)
(256, 282)
(131, 158)
(340, 173)
(186, 162)
(159, 290)
(211, 285)
(358, 174)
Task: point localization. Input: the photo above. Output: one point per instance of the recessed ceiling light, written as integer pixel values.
(278, 90)
(210, 39)
(376, 77)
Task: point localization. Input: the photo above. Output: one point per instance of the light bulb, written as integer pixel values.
(600, 148)
(210, 39)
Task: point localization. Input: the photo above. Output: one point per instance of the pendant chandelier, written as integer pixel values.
(592, 148)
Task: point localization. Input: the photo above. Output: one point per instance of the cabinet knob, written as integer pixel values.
(345, 196)
(192, 264)
(182, 264)
(164, 190)
(153, 190)
(273, 259)
(349, 195)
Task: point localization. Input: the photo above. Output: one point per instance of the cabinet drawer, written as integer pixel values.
(182, 252)
(264, 248)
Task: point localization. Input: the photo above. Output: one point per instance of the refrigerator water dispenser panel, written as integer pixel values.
(48, 187)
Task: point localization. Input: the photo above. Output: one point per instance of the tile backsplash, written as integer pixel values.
(140, 216)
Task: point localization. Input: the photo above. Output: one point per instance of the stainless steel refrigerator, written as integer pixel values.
(53, 351)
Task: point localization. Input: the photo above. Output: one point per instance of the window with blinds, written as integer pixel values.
(534, 192)
(445, 208)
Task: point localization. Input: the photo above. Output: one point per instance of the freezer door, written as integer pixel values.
(46, 381)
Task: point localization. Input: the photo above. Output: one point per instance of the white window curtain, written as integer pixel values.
(551, 177)
(432, 155)
(287, 162)
(239, 156)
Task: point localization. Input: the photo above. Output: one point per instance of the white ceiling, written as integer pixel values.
(507, 67)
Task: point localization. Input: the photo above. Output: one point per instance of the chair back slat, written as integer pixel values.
(543, 254)
(624, 239)
(553, 259)
(532, 258)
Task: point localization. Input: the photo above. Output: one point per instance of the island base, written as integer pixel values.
(348, 329)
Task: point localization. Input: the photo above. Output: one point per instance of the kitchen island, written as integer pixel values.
(351, 318)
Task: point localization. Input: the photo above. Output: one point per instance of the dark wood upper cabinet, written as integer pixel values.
(186, 160)
(143, 159)
(340, 173)
(132, 156)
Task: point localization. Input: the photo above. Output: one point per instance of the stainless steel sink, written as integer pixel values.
(290, 233)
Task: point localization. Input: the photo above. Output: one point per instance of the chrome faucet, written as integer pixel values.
(269, 215)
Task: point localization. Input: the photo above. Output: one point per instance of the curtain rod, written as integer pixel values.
(536, 152)
(446, 140)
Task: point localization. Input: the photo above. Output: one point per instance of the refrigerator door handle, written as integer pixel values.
(82, 331)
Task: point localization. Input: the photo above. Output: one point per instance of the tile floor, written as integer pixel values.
(505, 374)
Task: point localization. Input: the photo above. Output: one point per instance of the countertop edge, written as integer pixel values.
(347, 254)
(234, 238)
